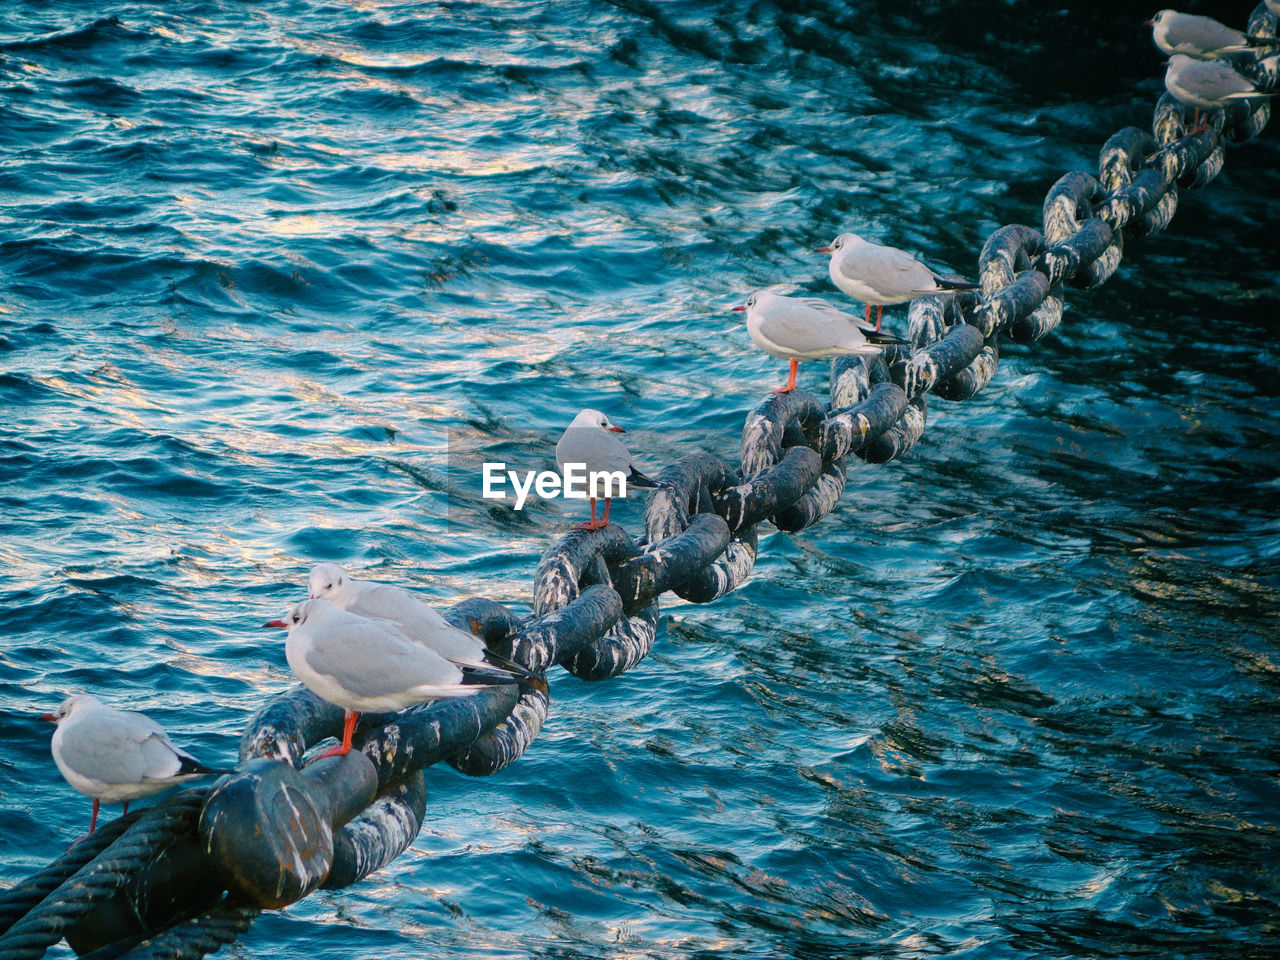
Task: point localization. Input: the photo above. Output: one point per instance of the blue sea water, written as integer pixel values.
(264, 266)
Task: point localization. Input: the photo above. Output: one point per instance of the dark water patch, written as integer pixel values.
(73, 40)
(51, 615)
(20, 129)
(684, 37)
(88, 212)
(104, 94)
(23, 388)
(363, 99)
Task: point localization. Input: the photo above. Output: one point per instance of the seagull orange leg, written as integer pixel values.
(348, 728)
(593, 524)
(605, 521)
(879, 313)
(791, 380)
(93, 820)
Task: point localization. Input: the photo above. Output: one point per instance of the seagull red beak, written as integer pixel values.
(616, 430)
(312, 596)
(738, 309)
(823, 250)
(275, 623)
(49, 716)
(1148, 23)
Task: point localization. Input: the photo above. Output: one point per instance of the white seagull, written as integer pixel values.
(1203, 38)
(365, 665)
(807, 328)
(1207, 84)
(880, 275)
(589, 440)
(418, 621)
(115, 755)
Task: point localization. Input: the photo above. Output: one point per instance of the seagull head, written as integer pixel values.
(751, 302)
(594, 418)
(67, 706)
(840, 242)
(296, 617)
(326, 580)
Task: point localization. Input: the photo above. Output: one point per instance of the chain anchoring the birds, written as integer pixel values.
(687, 501)
(582, 559)
(185, 877)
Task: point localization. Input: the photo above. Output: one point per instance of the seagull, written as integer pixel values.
(1203, 38)
(1207, 84)
(365, 665)
(115, 755)
(882, 275)
(418, 621)
(589, 441)
(807, 328)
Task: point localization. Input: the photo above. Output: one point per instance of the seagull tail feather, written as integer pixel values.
(505, 663)
(638, 479)
(191, 767)
(474, 676)
(945, 283)
(882, 338)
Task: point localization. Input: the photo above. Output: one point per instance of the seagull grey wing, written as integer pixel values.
(827, 307)
(113, 748)
(808, 330)
(371, 659)
(1203, 34)
(603, 451)
(419, 621)
(1215, 80)
(565, 448)
(892, 271)
(159, 757)
(382, 602)
(618, 456)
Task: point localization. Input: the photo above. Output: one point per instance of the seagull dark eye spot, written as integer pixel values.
(296, 618)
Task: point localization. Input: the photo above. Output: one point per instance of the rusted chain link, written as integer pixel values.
(596, 593)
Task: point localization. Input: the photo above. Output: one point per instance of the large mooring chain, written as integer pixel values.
(190, 874)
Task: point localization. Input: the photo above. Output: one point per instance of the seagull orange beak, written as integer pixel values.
(739, 308)
(1148, 23)
(823, 250)
(49, 716)
(275, 623)
(616, 430)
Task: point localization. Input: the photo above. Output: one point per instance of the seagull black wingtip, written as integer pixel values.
(883, 339)
(945, 284)
(473, 676)
(638, 479)
(190, 766)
